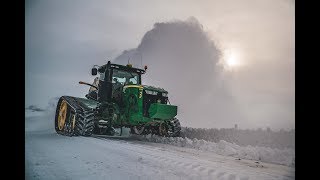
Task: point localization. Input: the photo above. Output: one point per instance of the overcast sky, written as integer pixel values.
(64, 38)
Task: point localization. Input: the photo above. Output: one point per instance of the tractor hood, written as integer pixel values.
(152, 88)
(145, 87)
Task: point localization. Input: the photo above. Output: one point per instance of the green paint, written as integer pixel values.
(162, 111)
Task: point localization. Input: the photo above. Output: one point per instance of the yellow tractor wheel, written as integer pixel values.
(62, 116)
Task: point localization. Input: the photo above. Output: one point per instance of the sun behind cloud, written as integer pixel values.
(231, 59)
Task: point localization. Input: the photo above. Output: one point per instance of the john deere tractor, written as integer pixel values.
(117, 99)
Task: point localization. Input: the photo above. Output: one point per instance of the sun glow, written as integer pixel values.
(231, 59)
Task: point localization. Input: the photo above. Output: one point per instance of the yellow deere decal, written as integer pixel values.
(136, 86)
(132, 86)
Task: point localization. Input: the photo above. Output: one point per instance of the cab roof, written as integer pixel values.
(128, 67)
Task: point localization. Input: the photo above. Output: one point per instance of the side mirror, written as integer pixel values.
(94, 71)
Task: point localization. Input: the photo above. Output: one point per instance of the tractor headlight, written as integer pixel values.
(165, 94)
(151, 92)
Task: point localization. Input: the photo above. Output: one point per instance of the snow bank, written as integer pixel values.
(271, 155)
(254, 137)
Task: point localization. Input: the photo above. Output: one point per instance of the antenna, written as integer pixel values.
(141, 58)
(128, 59)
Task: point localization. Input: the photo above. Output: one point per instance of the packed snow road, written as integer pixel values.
(52, 156)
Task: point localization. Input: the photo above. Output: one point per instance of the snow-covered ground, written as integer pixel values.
(52, 156)
(264, 154)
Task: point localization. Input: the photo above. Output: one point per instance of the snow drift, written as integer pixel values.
(265, 154)
(255, 137)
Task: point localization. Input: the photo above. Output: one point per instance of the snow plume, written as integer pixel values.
(42, 120)
(51, 107)
(182, 59)
(34, 108)
(265, 154)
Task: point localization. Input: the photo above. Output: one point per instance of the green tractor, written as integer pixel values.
(117, 99)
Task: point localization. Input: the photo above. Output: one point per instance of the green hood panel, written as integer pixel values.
(144, 87)
(162, 111)
(152, 88)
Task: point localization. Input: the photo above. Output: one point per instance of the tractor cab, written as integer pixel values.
(120, 79)
(113, 78)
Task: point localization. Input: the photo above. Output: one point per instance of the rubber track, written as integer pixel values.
(84, 118)
(176, 128)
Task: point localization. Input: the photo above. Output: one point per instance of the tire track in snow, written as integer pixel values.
(182, 166)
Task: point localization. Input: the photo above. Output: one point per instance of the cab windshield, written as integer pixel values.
(125, 77)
